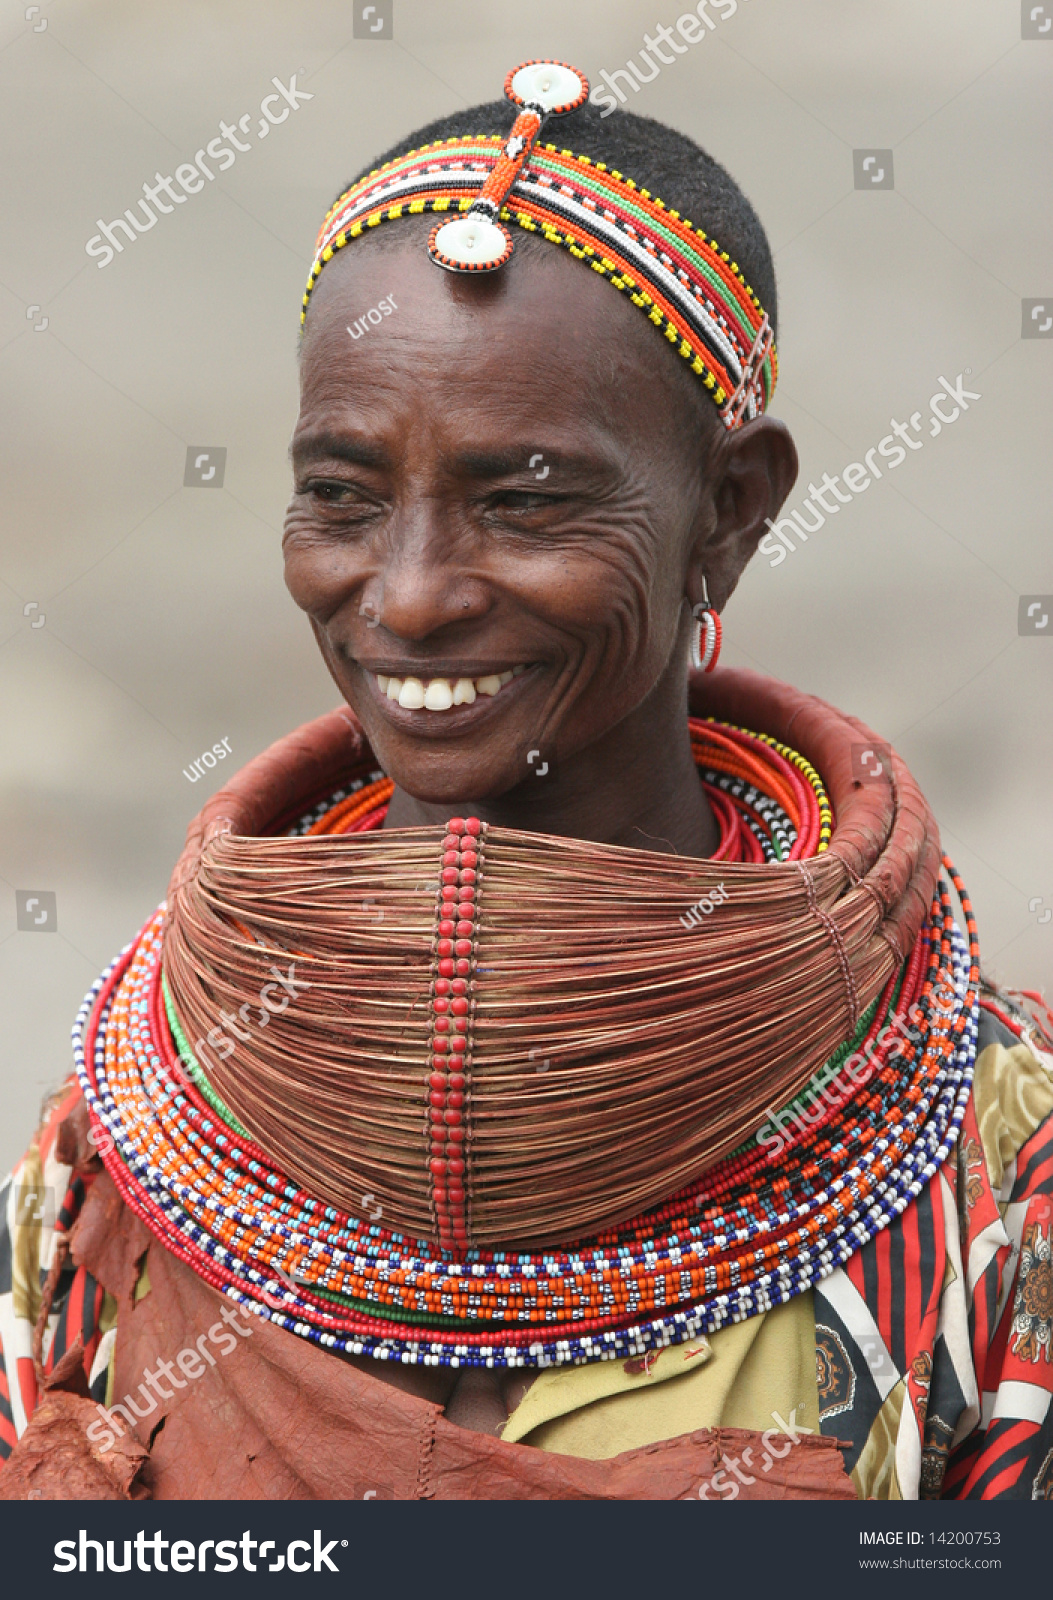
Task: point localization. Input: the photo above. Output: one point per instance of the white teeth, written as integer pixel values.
(411, 695)
(438, 696)
(441, 694)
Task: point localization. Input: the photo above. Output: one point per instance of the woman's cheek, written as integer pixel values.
(300, 575)
(317, 575)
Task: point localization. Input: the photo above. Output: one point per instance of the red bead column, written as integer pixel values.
(450, 1061)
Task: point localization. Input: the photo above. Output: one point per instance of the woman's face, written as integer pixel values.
(499, 482)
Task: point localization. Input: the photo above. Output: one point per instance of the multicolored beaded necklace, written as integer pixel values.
(741, 1240)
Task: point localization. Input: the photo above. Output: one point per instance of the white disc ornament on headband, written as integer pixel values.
(476, 241)
(470, 243)
(552, 85)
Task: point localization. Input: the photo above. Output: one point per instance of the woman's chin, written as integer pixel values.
(456, 785)
(444, 756)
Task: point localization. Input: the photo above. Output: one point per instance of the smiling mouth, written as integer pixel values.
(443, 694)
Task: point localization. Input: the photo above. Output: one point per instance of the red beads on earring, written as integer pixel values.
(706, 638)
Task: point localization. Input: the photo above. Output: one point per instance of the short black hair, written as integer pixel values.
(676, 169)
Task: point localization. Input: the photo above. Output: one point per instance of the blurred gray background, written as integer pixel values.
(141, 621)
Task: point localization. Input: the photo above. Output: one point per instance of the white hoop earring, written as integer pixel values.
(706, 634)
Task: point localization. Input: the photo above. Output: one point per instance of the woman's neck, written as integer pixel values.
(636, 786)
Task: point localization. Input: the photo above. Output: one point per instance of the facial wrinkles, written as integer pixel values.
(594, 591)
(436, 515)
(621, 537)
(630, 550)
(624, 654)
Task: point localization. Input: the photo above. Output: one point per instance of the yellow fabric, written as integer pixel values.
(29, 1199)
(1013, 1094)
(745, 1374)
(874, 1474)
(142, 1282)
(737, 1378)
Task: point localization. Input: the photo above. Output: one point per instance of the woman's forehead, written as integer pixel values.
(543, 333)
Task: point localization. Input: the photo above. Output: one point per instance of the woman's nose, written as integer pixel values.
(429, 580)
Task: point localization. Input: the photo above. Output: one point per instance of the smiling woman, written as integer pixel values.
(417, 503)
(492, 1181)
(539, 616)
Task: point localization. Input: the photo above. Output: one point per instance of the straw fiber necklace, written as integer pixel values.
(499, 1103)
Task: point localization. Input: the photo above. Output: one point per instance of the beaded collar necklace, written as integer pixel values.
(737, 1241)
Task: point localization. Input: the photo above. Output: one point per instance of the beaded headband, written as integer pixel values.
(679, 277)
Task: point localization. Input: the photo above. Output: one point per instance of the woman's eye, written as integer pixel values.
(523, 500)
(332, 493)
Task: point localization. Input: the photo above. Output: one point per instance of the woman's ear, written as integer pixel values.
(751, 472)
